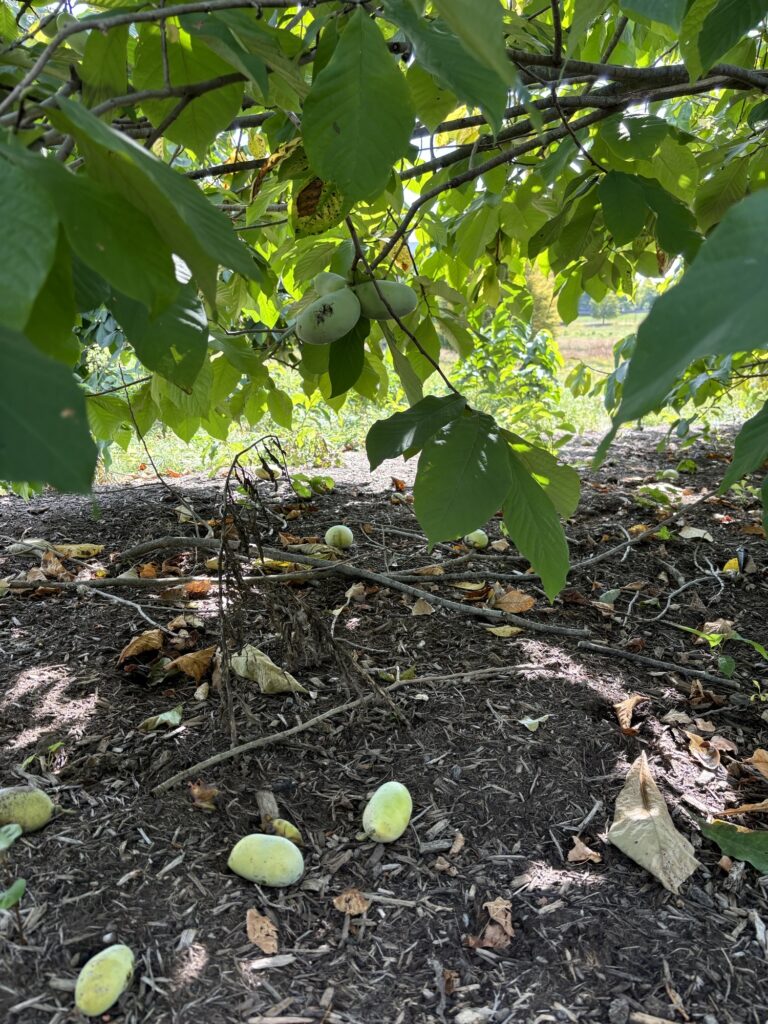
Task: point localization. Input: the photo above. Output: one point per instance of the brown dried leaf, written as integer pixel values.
(703, 750)
(514, 601)
(196, 588)
(723, 744)
(759, 761)
(500, 911)
(428, 570)
(186, 621)
(457, 845)
(443, 865)
(581, 853)
(574, 596)
(624, 711)
(195, 664)
(261, 932)
(53, 568)
(150, 640)
(422, 607)
(451, 980)
(203, 795)
(148, 571)
(699, 695)
(744, 809)
(703, 725)
(351, 902)
(753, 530)
(398, 485)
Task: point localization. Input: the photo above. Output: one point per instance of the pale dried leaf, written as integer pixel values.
(151, 640)
(428, 570)
(695, 533)
(186, 621)
(504, 631)
(469, 586)
(261, 931)
(170, 719)
(500, 545)
(457, 845)
(581, 853)
(721, 743)
(500, 911)
(514, 601)
(675, 717)
(703, 725)
(643, 830)
(444, 866)
(703, 750)
(29, 546)
(351, 902)
(356, 592)
(624, 711)
(532, 724)
(201, 693)
(324, 551)
(195, 664)
(493, 937)
(759, 761)
(53, 568)
(422, 607)
(720, 626)
(253, 664)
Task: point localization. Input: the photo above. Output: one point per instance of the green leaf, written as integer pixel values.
(109, 417)
(463, 477)
(431, 102)
(624, 206)
(13, 894)
(44, 432)
(410, 430)
(440, 53)
(675, 224)
(667, 12)
(764, 500)
(189, 61)
(104, 67)
(750, 449)
(718, 308)
(346, 357)
(357, 117)
(479, 26)
(175, 342)
(585, 13)
(560, 483)
(280, 407)
(535, 528)
(689, 36)
(50, 324)
(676, 169)
(8, 836)
(738, 842)
(568, 298)
(29, 217)
(408, 377)
(725, 25)
(220, 39)
(187, 222)
(717, 194)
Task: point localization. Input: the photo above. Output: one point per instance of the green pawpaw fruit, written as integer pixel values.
(329, 318)
(402, 299)
(325, 283)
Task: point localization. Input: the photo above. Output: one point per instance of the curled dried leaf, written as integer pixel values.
(624, 711)
(203, 795)
(150, 640)
(195, 664)
(581, 853)
(352, 902)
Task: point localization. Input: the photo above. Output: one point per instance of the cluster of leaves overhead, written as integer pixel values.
(186, 170)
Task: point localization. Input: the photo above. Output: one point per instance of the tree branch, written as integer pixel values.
(557, 26)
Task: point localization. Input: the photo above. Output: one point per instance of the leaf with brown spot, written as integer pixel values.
(261, 931)
(581, 853)
(643, 830)
(203, 795)
(703, 750)
(195, 664)
(318, 206)
(422, 607)
(351, 902)
(744, 809)
(150, 640)
(624, 711)
(515, 602)
(759, 761)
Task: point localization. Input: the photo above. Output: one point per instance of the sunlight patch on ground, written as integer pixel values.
(44, 688)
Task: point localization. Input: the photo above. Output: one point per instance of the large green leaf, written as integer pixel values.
(358, 117)
(260, 39)
(44, 434)
(188, 223)
(535, 527)
(410, 430)
(109, 418)
(726, 24)
(560, 483)
(479, 25)
(668, 12)
(346, 357)
(750, 449)
(624, 206)
(440, 52)
(174, 343)
(29, 220)
(189, 61)
(741, 843)
(51, 322)
(463, 477)
(717, 194)
(675, 224)
(104, 68)
(718, 308)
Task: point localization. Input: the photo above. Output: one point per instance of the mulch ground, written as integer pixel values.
(496, 806)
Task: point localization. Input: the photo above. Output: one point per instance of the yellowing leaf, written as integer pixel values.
(286, 829)
(532, 724)
(504, 631)
(78, 550)
(151, 640)
(351, 902)
(732, 565)
(195, 664)
(643, 830)
(261, 932)
(253, 664)
(422, 607)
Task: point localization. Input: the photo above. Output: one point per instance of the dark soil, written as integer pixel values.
(592, 942)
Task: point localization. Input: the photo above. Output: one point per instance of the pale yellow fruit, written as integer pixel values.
(267, 860)
(25, 806)
(401, 299)
(270, 473)
(387, 813)
(285, 828)
(103, 980)
(477, 539)
(329, 318)
(339, 537)
(326, 282)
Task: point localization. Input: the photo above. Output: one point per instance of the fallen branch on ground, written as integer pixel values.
(668, 666)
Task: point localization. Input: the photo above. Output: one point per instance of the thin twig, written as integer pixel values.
(667, 666)
(131, 604)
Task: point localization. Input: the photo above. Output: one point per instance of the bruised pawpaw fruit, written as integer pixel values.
(401, 299)
(329, 318)
(325, 283)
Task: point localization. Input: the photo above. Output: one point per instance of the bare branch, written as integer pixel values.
(557, 25)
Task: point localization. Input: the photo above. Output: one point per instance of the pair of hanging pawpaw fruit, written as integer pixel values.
(341, 305)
